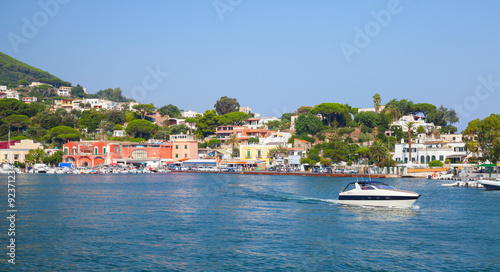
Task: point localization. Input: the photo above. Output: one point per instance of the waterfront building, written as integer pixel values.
(256, 152)
(184, 147)
(426, 151)
(16, 151)
(95, 153)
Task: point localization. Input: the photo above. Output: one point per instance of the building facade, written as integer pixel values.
(16, 151)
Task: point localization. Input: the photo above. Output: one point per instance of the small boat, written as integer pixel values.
(490, 184)
(375, 193)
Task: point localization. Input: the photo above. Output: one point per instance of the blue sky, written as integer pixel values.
(273, 56)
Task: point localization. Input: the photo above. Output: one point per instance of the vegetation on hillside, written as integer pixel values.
(14, 72)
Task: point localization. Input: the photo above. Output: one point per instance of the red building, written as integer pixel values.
(95, 153)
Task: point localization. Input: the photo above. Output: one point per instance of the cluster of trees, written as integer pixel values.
(39, 156)
(482, 138)
(340, 120)
(337, 150)
(210, 120)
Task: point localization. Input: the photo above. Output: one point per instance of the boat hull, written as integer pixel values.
(379, 201)
(490, 184)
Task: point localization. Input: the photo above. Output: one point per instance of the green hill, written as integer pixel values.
(14, 72)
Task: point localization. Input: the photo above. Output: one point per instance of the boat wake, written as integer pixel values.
(285, 197)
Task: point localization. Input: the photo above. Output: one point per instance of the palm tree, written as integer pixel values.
(378, 152)
(277, 152)
(410, 126)
(233, 141)
(376, 101)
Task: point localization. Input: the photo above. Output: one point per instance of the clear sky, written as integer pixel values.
(273, 56)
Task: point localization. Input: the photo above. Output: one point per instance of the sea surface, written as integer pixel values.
(234, 222)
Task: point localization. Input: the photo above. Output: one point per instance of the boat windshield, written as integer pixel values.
(384, 186)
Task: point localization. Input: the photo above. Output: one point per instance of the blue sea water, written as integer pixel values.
(233, 222)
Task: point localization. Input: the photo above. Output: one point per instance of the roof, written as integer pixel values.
(302, 140)
(253, 119)
(294, 148)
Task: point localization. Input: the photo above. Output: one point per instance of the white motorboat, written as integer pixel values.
(490, 184)
(375, 193)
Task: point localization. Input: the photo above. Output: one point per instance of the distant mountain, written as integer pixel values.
(14, 72)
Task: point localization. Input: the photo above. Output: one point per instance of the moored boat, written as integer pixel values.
(490, 184)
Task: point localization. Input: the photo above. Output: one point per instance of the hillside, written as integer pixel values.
(14, 72)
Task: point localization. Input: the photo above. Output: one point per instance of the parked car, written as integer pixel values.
(339, 171)
(327, 170)
(185, 168)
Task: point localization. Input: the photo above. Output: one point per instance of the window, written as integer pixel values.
(177, 155)
(5, 156)
(95, 150)
(139, 154)
(441, 157)
(185, 147)
(74, 150)
(116, 149)
(185, 155)
(16, 157)
(176, 147)
(248, 153)
(103, 150)
(259, 153)
(66, 151)
(433, 158)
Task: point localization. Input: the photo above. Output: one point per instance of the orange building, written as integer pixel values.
(95, 153)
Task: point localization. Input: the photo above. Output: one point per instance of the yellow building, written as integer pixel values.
(17, 151)
(256, 152)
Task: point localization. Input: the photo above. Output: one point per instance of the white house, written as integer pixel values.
(189, 114)
(425, 152)
(381, 108)
(118, 133)
(64, 92)
(9, 94)
(418, 121)
(29, 99)
(255, 123)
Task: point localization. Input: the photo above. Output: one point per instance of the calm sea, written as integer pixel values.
(222, 222)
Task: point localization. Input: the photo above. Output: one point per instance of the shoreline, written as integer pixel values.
(295, 174)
